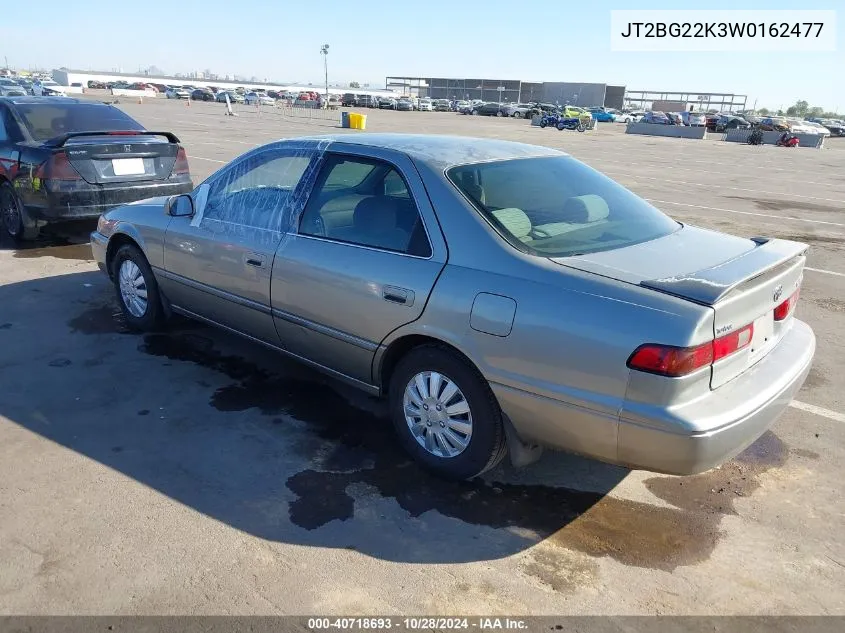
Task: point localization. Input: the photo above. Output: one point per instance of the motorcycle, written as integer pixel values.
(549, 119)
(756, 137)
(790, 141)
(571, 124)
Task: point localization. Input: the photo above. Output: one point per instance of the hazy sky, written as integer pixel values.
(372, 39)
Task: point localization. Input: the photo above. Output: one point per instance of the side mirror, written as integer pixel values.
(180, 206)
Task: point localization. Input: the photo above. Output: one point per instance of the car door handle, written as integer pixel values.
(254, 260)
(398, 295)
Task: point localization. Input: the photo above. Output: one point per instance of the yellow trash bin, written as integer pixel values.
(362, 122)
(354, 120)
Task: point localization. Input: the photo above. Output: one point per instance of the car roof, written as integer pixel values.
(442, 151)
(52, 100)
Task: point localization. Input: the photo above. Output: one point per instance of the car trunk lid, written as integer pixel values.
(119, 157)
(744, 281)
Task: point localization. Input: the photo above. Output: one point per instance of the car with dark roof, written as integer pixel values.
(67, 159)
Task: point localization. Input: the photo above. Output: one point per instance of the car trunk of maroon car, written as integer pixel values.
(750, 284)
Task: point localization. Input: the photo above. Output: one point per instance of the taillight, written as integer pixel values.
(671, 361)
(57, 167)
(180, 167)
(782, 311)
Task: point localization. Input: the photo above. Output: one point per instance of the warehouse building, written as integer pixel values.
(510, 90)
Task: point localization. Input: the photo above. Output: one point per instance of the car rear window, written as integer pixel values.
(558, 207)
(46, 121)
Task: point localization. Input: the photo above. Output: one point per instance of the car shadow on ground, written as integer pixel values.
(274, 449)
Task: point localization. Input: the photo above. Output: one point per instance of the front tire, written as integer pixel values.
(517, 115)
(445, 414)
(137, 290)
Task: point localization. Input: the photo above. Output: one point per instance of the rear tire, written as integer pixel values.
(12, 215)
(137, 290)
(543, 123)
(517, 115)
(483, 435)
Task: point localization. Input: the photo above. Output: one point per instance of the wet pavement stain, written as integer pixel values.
(102, 319)
(785, 205)
(350, 446)
(811, 239)
(801, 452)
(717, 489)
(81, 252)
(815, 379)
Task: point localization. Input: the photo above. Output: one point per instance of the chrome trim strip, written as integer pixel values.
(366, 248)
(326, 330)
(371, 389)
(246, 303)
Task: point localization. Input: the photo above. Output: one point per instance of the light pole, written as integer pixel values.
(324, 51)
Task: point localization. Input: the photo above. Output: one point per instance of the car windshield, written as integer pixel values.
(558, 207)
(46, 121)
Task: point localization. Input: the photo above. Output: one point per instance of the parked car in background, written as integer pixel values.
(77, 159)
(694, 119)
(234, 97)
(774, 124)
(405, 105)
(257, 98)
(202, 94)
(11, 88)
(630, 117)
(47, 88)
(426, 105)
(442, 105)
(332, 103)
(96, 85)
(807, 127)
(677, 356)
(675, 118)
(386, 103)
(656, 117)
(490, 108)
(516, 110)
(731, 122)
(349, 100)
(835, 127)
(177, 92)
(602, 115)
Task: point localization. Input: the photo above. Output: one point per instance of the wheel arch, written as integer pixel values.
(387, 360)
(116, 241)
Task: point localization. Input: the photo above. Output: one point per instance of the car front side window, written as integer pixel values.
(256, 192)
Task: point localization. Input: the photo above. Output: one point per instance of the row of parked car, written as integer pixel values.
(723, 121)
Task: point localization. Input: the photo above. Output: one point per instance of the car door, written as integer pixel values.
(362, 263)
(218, 262)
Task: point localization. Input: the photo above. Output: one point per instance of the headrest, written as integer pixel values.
(585, 209)
(515, 221)
(377, 213)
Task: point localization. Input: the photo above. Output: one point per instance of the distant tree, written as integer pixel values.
(780, 113)
(763, 111)
(354, 84)
(799, 109)
(815, 112)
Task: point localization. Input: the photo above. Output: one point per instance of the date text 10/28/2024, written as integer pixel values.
(420, 623)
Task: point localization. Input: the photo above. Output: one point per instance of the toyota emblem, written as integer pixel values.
(778, 293)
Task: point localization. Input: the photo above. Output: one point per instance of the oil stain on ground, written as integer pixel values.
(105, 318)
(786, 205)
(352, 445)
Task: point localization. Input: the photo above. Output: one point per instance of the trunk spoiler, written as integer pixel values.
(710, 285)
(59, 141)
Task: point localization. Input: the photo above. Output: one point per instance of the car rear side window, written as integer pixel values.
(558, 207)
(377, 212)
(45, 121)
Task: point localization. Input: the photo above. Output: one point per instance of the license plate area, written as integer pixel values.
(763, 338)
(128, 166)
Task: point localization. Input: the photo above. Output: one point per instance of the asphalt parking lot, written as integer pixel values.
(194, 473)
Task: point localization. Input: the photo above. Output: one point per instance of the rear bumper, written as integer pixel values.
(678, 441)
(91, 201)
(744, 408)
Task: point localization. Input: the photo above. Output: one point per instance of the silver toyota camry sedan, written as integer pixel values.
(504, 297)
